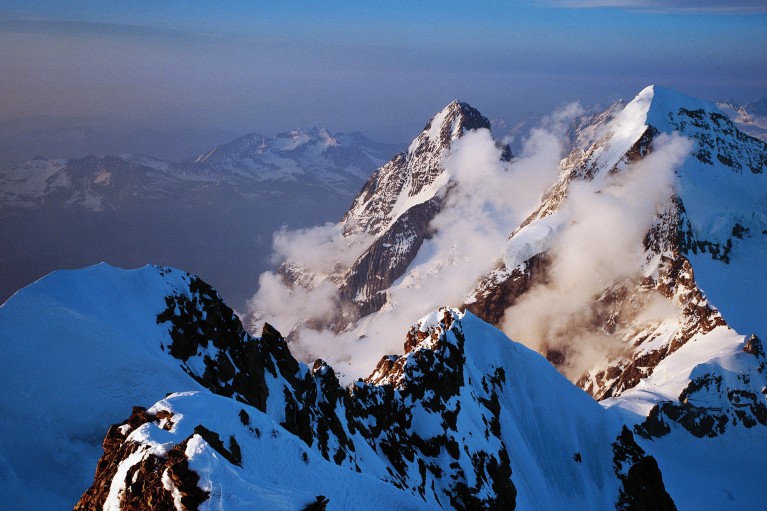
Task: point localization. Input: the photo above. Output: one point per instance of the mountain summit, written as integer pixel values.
(386, 225)
(414, 177)
(704, 223)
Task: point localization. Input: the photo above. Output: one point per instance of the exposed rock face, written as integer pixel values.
(672, 240)
(393, 213)
(427, 382)
(322, 413)
(130, 476)
(500, 289)
(411, 173)
(669, 244)
(388, 258)
(675, 281)
(716, 401)
(217, 352)
(396, 206)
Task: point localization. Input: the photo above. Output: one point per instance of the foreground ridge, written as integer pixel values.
(435, 423)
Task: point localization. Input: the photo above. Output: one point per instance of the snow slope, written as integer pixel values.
(277, 470)
(78, 347)
(464, 418)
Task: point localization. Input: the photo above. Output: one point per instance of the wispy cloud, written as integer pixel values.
(667, 6)
(12, 23)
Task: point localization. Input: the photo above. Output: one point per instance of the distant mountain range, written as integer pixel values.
(24, 139)
(751, 118)
(215, 215)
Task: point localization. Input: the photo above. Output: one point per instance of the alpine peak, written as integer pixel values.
(447, 126)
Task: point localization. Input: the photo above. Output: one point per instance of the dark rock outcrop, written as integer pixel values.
(328, 417)
(642, 487)
(153, 483)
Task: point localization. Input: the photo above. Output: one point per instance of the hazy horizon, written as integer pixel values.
(380, 69)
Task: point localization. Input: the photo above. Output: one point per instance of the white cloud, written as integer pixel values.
(488, 200)
(600, 244)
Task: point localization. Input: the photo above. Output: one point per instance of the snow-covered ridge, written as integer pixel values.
(464, 417)
(80, 345)
(470, 407)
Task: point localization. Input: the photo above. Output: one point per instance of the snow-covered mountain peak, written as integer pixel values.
(386, 225)
(414, 177)
(698, 185)
(718, 141)
(665, 104)
(448, 125)
(623, 134)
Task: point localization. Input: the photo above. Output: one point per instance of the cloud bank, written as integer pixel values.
(488, 198)
(598, 244)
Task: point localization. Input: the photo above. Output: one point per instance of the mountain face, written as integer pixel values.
(398, 203)
(464, 419)
(637, 274)
(696, 236)
(389, 220)
(127, 209)
(691, 185)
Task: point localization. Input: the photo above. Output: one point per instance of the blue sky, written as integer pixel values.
(380, 67)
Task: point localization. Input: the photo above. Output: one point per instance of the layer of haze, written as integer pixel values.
(381, 68)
